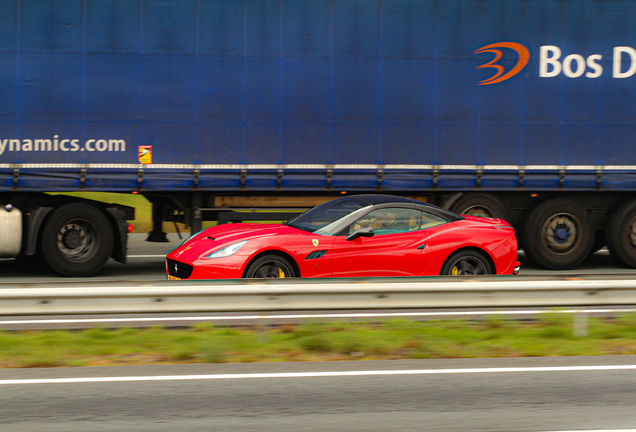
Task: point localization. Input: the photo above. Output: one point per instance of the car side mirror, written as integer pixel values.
(362, 232)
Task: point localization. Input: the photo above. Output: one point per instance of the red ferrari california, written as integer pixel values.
(353, 236)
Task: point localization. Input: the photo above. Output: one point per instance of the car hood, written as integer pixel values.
(224, 235)
(244, 231)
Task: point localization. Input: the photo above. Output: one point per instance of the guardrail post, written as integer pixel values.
(263, 333)
(581, 325)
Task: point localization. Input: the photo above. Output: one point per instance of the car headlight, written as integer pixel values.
(227, 250)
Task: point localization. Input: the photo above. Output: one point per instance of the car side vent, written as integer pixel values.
(179, 269)
(316, 254)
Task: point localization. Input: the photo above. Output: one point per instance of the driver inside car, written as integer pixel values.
(389, 221)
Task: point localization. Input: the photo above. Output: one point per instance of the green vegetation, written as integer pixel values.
(143, 210)
(396, 339)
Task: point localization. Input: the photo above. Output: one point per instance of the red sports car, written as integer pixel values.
(360, 235)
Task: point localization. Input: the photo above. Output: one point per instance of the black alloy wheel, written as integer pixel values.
(466, 263)
(270, 266)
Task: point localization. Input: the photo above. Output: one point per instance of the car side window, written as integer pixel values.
(397, 220)
(389, 221)
(430, 220)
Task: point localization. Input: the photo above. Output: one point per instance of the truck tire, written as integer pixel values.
(479, 204)
(557, 234)
(620, 233)
(76, 240)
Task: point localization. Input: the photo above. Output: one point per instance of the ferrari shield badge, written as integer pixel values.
(314, 242)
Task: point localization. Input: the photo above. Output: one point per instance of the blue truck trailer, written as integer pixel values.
(520, 109)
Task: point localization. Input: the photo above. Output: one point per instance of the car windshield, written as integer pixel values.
(324, 218)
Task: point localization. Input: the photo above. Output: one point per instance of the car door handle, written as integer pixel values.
(422, 246)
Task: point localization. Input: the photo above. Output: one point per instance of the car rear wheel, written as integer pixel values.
(270, 266)
(467, 263)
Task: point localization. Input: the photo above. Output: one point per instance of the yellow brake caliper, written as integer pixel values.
(281, 273)
(454, 271)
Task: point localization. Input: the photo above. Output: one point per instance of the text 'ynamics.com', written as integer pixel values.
(65, 145)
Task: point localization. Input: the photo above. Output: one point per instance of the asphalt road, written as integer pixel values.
(146, 263)
(426, 395)
(205, 398)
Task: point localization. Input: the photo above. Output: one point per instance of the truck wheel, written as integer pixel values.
(76, 240)
(557, 234)
(620, 233)
(479, 204)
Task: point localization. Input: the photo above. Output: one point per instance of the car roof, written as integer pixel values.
(374, 199)
(378, 200)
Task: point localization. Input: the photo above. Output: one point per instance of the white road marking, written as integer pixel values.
(308, 316)
(146, 256)
(317, 374)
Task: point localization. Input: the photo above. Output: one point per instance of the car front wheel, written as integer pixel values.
(270, 266)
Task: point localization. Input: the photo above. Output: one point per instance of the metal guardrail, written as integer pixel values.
(314, 295)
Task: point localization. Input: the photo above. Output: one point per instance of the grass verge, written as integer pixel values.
(396, 339)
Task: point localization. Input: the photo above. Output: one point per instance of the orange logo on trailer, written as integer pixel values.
(145, 154)
(500, 75)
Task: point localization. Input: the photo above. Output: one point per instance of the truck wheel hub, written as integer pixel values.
(72, 239)
(559, 232)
